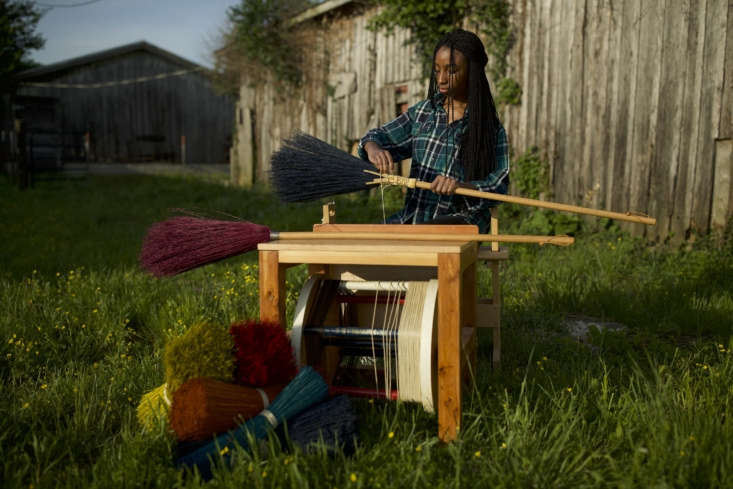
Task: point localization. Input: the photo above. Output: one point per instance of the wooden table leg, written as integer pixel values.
(449, 345)
(272, 288)
(468, 325)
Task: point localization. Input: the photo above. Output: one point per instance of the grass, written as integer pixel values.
(82, 333)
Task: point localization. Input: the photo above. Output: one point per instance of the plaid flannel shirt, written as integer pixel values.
(423, 134)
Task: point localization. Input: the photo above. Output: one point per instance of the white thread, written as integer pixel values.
(265, 399)
(269, 417)
(165, 395)
(408, 346)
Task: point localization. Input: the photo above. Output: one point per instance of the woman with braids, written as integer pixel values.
(454, 138)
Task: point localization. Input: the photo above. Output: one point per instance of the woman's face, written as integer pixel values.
(452, 79)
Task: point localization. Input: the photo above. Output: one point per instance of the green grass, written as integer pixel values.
(82, 332)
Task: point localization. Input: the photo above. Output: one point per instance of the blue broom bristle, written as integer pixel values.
(332, 421)
(306, 389)
(306, 168)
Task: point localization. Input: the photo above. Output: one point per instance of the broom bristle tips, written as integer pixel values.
(306, 168)
(183, 243)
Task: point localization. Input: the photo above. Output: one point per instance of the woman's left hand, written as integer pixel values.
(444, 185)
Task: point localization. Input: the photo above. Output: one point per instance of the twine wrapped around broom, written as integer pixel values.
(205, 407)
(305, 390)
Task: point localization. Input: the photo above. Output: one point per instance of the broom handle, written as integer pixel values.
(411, 182)
(500, 238)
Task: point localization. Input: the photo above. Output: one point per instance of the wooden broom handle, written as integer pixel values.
(500, 238)
(412, 183)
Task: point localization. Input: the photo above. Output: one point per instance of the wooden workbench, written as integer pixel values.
(454, 264)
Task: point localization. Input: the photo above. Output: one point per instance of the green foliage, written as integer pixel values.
(204, 350)
(262, 36)
(494, 18)
(18, 21)
(427, 21)
(530, 178)
(508, 92)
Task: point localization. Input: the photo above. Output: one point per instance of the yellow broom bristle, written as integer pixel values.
(153, 408)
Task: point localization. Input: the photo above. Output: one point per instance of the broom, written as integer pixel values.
(204, 407)
(306, 389)
(203, 350)
(306, 168)
(333, 422)
(263, 352)
(153, 407)
(182, 243)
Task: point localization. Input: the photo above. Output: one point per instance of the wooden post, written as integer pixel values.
(272, 288)
(468, 307)
(183, 149)
(450, 318)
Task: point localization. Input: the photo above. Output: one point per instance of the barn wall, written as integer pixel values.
(629, 101)
(144, 120)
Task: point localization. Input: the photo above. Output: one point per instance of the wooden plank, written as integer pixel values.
(612, 20)
(726, 107)
(521, 136)
(630, 26)
(468, 300)
(711, 95)
(450, 318)
(595, 68)
(397, 228)
(693, 60)
(573, 185)
(645, 109)
(553, 56)
(541, 73)
(723, 184)
(272, 288)
(669, 117)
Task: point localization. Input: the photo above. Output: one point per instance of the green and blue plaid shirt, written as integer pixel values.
(423, 134)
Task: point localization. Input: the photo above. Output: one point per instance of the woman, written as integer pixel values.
(454, 138)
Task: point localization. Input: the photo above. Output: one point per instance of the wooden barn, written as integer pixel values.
(133, 103)
(630, 105)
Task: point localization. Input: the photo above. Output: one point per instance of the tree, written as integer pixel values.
(18, 37)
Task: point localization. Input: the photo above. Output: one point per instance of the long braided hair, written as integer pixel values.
(478, 146)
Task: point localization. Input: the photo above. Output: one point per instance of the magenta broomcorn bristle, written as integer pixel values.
(182, 243)
(306, 168)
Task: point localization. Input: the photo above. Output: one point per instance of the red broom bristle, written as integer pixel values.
(182, 243)
(203, 407)
(263, 354)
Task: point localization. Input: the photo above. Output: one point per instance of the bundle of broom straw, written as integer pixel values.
(332, 423)
(204, 407)
(306, 168)
(305, 390)
(153, 407)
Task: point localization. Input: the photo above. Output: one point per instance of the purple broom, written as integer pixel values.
(306, 389)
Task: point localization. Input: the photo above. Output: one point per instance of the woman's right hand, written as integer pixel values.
(381, 158)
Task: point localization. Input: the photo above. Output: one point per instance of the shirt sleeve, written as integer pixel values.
(496, 182)
(395, 136)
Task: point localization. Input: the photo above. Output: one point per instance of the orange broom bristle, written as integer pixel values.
(203, 407)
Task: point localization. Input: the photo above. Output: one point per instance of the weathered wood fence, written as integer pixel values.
(631, 102)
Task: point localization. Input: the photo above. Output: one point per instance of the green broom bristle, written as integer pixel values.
(204, 350)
